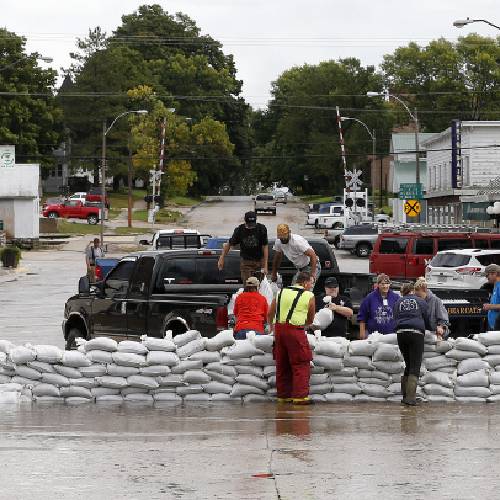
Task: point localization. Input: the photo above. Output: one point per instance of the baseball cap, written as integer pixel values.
(282, 231)
(492, 268)
(250, 218)
(331, 282)
(252, 281)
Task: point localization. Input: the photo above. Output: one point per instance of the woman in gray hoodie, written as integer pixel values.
(438, 315)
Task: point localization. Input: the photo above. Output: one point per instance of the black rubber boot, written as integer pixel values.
(411, 391)
(404, 380)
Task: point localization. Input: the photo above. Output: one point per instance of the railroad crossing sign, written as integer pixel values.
(352, 179)
(412, 208)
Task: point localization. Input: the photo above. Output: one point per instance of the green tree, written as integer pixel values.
(29, 116)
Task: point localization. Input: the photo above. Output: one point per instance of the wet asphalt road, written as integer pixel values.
(214, 451)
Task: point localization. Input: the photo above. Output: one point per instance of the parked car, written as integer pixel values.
(359, 239)
(325, 209)
(95, 195)
(73, 210)
(405, 254)
(176, 238)
(384, 218)
(80, 196)
(460, 268)
(266, 203)
(281, 196)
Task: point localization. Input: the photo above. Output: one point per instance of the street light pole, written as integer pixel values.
(464, 22)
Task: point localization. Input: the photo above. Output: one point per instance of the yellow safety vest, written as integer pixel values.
(284, 303)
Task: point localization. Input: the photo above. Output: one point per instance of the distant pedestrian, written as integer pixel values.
(411, 315)
(340, 306)
(250, 310)
(93, 251)
(438, 315)
(254, 249)
(493, 275)
(375, 313)
(297, 250)
(292, 311)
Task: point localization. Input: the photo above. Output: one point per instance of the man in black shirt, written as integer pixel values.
(340, 305)
(254, 250)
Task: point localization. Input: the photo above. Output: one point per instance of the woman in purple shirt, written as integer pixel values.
(375, 313)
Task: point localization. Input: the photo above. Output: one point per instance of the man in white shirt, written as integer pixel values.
(92, 252)
(297, 250)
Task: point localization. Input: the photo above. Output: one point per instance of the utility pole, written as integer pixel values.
(103, 179)
(417, 148)
(129, 181)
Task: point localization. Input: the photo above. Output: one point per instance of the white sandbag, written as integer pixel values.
(444, 346)
(88, 383)
(263, 360)
(101, 344)
(224, 338)
(430, 337)
(75, 359)
(450, 370)
(135, 390)
(185, 365)
(323, 318)
(388, 366)
(167, 397)
(257, 371)
(93, 371)
(464, 344)
(138, 397)
(6, 346)
(264, 342)
(217, 388)
(240, 390)
(121, 371)
(186, 338)
(112, 382)
(438, 378)
(26, 372)
(74, 391)
(196, 377)
(338, 397)
(97, 356)
(154, 371)
(472, 365)
(272, 381)
(252, 380)
(206, 356)
(478, 378)
(388, 338)
(41, 366)
(494, 389)
(272, 392)
(73, 401)
(202, 396)
(495, 398)
(218, 377)
(362, 347)
(243, 349)
(267, 371)
(189, 389)
(341, 380)
(109, 399)
(142, 381)
(320, 388)
(55, 379)
(316, 398)
(347, 388)
(430, 348)
(48, 353)
(104, 391)
(329, 363)
(439, 362)
(495, 378)
(494, 349)
(461, 355)
(387, 352)
(438, 390)
(230, 305)
(23, 381)
(4, 379)
(166, 358)
(373, 374)
(319, 378)
(489, 338)
(132, 346)
(67, 371)
(375, 390)
(10, 387)
(229, 371)
(45, 390)
(330, 348)
(190, 348)
(364, 362)
(476, 392)
(22, 355)
(171, 380)
(129, 359)
(394, 389)
(492, 359)
(225, 360)
(156, 344)
(365, 398)
(430, 355)
(48, 400)
(373, 381)
(321, 369)
(439, 399)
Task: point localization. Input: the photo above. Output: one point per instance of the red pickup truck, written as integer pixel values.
(95, 195)
(72, 209)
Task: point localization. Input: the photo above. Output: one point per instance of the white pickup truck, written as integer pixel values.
(333, 210)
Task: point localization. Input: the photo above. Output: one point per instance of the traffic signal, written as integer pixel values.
(148, 198)
(349, 202)
(157, 199)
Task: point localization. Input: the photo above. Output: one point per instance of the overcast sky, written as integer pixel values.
(265, 36)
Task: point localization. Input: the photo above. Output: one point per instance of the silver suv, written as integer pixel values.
(265, 203)
(359, 239)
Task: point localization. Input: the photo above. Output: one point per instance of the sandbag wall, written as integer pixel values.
(190, 367)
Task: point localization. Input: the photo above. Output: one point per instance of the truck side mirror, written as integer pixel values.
(144, 242)
(84, 286)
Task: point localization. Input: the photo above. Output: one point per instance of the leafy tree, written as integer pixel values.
(29, 116)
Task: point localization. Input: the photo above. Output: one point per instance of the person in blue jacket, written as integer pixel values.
(376, 311)
(411, 314)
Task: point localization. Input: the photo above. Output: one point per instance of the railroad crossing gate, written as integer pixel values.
(412, 208)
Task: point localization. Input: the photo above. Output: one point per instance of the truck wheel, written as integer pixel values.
(363, 250)
(73, 334)
(92, 219)
(53, 215)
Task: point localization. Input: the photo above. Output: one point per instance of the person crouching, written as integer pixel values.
(292, 310)
(411, 315)
(250, 310)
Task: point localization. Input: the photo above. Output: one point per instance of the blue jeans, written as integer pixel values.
(242, 334)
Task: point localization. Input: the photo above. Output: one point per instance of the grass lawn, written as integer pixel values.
(163, 216)
(316, 198)
(182, 201)
(66, 227)
(120, 199)
(132, 230)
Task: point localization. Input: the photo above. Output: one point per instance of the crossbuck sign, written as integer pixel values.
(352, 179)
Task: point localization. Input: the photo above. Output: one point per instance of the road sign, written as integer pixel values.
(352, 179)
(410, 191)
(412, 208)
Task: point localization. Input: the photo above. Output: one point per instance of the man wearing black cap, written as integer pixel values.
(254, 250)
(340, 306)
